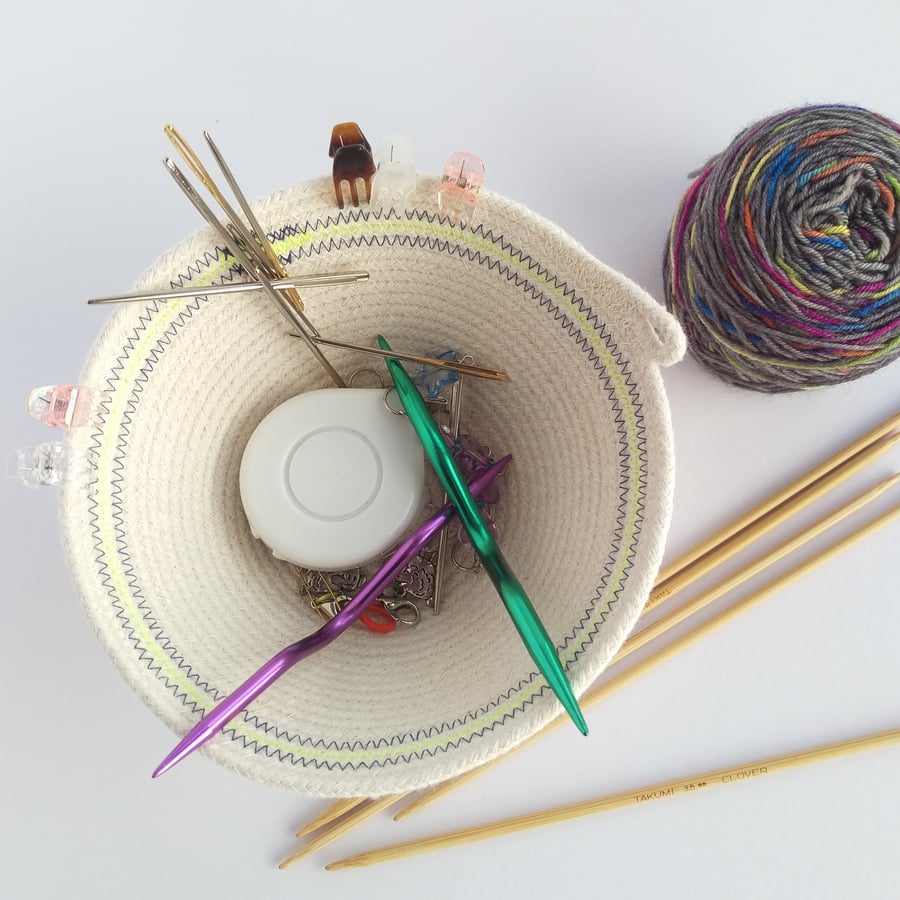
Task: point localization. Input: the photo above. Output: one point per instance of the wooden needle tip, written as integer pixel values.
(329, 815)
(294, 857)
(348, 863)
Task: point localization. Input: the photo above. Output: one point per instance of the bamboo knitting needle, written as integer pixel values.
(785, 493)
(731, 546)
(371, 808)
(661, 626)
(626, 798)
(874, 444)
(733, 611)
(332, 812)
(329, 814)
(601, 691)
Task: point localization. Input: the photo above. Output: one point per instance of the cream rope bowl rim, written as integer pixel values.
(188, 604)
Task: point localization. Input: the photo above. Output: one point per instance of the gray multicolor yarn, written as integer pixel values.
(783, 261)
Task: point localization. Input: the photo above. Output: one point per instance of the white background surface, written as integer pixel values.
(593, 119)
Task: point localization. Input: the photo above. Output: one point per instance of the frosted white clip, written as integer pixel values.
(394, 180)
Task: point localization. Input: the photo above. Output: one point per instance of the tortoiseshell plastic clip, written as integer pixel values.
(353, 162)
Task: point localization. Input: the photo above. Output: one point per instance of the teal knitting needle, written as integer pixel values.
(519, 607)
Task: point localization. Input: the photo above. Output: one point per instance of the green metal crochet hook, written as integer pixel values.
(519, 607)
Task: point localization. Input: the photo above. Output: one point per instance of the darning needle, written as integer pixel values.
(237, 287)
(235, 226)
(462, 368)
(293, 315)
(254, 239)
(267, 261)
(440, 561)
(257, 229)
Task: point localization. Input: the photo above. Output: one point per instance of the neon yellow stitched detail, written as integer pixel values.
(105, 501)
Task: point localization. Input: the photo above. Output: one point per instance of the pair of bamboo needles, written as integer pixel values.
(346, 814)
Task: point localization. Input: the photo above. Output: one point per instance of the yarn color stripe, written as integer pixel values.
(783, 260)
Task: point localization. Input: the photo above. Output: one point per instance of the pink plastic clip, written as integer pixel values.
(61, 405)
(458, 191)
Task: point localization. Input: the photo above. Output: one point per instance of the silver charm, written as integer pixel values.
(345, 582)
(417, 579)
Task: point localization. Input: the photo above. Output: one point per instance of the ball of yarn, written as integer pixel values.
(783, 262)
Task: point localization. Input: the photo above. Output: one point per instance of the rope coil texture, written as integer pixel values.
(783, 261)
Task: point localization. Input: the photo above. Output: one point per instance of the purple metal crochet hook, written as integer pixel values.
(222, 714)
